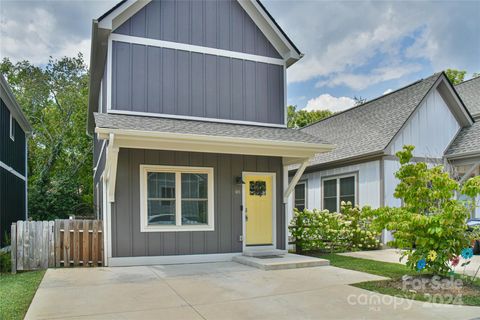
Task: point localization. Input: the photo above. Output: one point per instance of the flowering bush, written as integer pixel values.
(431, 224)
(330, 231)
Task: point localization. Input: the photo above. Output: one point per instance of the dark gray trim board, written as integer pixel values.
(128, 241)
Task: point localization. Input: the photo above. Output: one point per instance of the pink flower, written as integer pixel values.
(455, 261)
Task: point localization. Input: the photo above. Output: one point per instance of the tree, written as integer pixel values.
(430, 225)
(359, 100)
(54, 99)
(302, 118)
(455, 76)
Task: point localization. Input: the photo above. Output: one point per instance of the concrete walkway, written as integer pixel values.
(393, 256)
(222, 291)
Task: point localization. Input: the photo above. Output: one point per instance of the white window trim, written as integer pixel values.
(304, 182)
(337, 178)
(145, 227)
(12, 127)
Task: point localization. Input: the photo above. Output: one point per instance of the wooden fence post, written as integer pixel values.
(13, 247)
(58, 241)
(20, 245)
(95, 243)
(51, 243)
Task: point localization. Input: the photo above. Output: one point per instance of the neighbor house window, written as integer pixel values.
(300, 196)
(176, 198)
(12, 127)
(338, 189)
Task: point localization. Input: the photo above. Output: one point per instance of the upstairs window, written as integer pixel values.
(176, 198)
(300, 196)
(338, 189)
(12, 127)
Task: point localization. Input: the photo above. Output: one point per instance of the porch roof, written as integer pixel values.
(203, 136)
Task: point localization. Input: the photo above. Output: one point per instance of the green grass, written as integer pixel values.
(16, 293)
(390, 270)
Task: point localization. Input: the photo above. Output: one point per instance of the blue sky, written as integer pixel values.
(352, 48)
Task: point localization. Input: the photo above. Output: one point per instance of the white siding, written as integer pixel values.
(368, 185)
(430, 129)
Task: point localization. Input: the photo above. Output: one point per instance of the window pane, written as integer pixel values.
(161, 211)
(194, 198)
(300, 196)
(161, 185)
(194, 212)
(161, 197)
(194, 185)
(347, 186)
(330, 188)
(330, 204)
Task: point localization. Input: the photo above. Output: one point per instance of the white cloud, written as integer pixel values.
(328, 102)
(36, 30)
(387, 91)
(368, 34)
(362, 81)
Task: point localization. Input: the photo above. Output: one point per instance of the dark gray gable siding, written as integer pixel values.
(176, 82)
(221, 24)
(12, 153)
(127, 240)
(12, 188)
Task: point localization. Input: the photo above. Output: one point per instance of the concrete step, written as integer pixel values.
(264, 252)
(280, 262)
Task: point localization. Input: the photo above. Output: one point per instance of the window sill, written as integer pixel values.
(188, 228)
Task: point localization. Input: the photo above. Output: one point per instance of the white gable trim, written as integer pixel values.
(121, 14)
(270, 30)
(455, 106)
(127, 9)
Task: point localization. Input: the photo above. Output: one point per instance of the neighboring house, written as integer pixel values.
(464, 153)
(13, 161)
(427, 114)
(187, 104)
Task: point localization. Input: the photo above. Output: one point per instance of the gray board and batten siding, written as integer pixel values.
(167, 81)
(128, 241)
(220, 24)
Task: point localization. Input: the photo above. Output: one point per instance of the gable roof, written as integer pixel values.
(469, 91)
(367, 130)
(467, 142)
(122, 11)
(9, 99)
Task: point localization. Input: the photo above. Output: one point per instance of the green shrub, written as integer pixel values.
(430, 226)
(333, 232)
(5, 262)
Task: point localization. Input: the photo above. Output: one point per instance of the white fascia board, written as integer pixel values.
(212, 144)
(270, 30)
(121, 14)
(15, 110)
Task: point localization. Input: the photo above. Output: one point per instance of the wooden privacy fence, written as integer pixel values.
(67, 243)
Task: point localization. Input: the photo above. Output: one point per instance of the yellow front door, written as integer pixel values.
(258, 209)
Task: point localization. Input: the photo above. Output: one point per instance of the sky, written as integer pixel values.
(352, 48)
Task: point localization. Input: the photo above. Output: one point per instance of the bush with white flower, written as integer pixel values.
(321, 230)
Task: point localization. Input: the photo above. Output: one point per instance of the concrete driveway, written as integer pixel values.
(222, 291)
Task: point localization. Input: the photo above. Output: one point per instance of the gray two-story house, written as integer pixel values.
(188, 110)
(14, 130)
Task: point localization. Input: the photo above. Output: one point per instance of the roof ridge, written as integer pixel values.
(473, 78)
(374, 99)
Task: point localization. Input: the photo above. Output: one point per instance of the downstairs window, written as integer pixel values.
(176, 198)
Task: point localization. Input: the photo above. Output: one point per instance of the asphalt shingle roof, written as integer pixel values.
(155, 124)
(368, 128)
(468, 140)
(469, 91)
